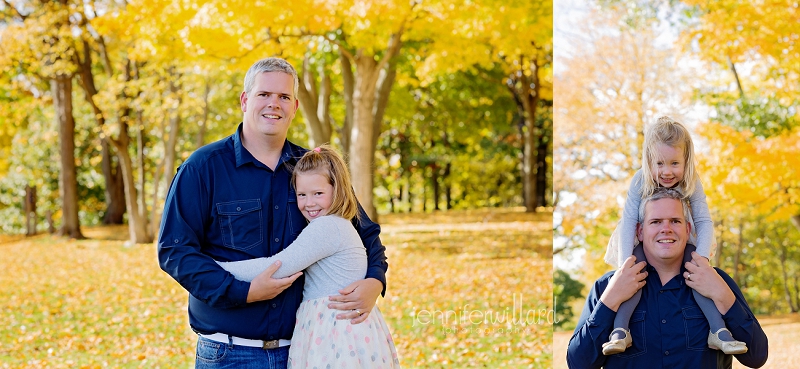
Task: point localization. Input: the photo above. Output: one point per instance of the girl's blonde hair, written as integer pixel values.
(325, 161)
(671, 133)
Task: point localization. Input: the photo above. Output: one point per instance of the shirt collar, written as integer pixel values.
(674, 283)
(290, 152)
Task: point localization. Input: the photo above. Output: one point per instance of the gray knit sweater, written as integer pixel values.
(329, 249)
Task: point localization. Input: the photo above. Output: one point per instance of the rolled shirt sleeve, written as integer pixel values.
(180, 243)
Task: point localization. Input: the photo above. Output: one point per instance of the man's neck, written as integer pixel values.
(667, 269)
(266, 149)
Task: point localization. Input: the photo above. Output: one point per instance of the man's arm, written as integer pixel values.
(186, 211)
(597, 319)
(369, 232)
(594, 327)
(740, 320)
(358, 299)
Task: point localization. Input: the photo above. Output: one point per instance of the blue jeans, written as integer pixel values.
(216, 355)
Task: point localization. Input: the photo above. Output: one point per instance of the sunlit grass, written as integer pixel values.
(95, 303)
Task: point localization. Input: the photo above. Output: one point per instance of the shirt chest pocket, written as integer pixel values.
(696, 328)
(295, 220)
(241, 223)
(636, 326)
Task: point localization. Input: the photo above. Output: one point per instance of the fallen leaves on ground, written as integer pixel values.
(465, 289)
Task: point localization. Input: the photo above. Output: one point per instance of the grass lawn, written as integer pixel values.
(466, 289)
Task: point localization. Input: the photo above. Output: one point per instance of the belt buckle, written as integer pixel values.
(268, 345)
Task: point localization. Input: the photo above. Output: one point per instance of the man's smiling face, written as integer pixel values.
(664, 230)
(270, 105)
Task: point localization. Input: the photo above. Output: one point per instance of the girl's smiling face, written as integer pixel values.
(670, 165)
(314, 194)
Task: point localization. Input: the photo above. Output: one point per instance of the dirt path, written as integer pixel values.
(783, 333)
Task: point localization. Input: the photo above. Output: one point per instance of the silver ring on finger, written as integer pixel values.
(689, 277)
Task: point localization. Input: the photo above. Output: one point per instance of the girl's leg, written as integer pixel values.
(710, 311)
(625, 311)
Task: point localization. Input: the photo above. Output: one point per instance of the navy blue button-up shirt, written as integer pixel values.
(667, 327)
(225, 205)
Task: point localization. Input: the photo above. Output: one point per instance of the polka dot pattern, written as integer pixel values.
(323, 342)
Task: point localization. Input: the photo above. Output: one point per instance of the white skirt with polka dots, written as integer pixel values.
(321, 341)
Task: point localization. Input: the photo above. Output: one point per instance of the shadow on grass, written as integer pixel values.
(779, 319)
(477, 234)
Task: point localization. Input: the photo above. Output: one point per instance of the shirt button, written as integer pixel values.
(238, 209)
(666, 353)
(271, 337)
(277, 239)
(274, 305)
(276, 207)
(175, 240)
(663, 321)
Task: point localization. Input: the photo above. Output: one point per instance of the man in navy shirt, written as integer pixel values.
(232, 200)
(667, 327)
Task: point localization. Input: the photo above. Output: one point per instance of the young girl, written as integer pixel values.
(333, 256)
(667, 161)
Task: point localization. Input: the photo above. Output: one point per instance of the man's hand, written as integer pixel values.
(357, 299)
(264, 287)
(624, 283)
(702, 277)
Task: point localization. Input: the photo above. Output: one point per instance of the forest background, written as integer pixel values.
(437, 104)
(727, 69)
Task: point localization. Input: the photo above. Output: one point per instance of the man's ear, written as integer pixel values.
(688, 227)
(243, 101)
(639, 232)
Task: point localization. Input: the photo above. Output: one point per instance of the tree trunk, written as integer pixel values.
(48, 218)
(315, 103)
(785, 275)
(137, 222)
(348, 81)
(30, 211)
(424, 190)
(738, 252)
(140, 164)
(61, 88)
(405, 197)
(115, 194)
(541, 172)
(528, 92)
(435, 183)
(361, 150)
(115, 191)
(201, 132)
(718, 255)
(796, 305)
(137, 218)
(371, 85)
(448, 188)
(796, 220)
(169, 155)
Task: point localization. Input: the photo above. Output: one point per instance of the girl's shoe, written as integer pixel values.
(619, 345)
(728, 347)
